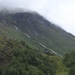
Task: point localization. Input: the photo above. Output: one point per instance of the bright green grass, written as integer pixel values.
(61, 69)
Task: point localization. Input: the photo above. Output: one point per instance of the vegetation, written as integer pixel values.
(16, 58)
(23, 51)
(34, 29)
(69, 61)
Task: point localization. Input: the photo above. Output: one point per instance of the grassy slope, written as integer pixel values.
(12, 33)
(48, 34)
(61, 69)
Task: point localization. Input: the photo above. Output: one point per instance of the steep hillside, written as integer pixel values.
(38, 32)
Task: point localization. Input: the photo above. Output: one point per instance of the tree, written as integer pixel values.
(72, 71)
(11, 71)
(69, 59)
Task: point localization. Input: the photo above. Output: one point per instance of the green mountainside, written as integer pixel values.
(31, 45)
(37, 32)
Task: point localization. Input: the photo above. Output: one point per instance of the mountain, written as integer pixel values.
(37, 32)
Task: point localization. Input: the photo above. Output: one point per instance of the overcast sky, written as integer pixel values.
(61, 12)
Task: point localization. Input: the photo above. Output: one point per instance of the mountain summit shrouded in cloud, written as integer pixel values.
(32, 45)
(60, 12)
(15, 10)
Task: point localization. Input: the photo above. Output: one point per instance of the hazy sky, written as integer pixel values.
(61, 12)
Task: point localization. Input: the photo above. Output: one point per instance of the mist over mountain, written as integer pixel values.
(36, 31)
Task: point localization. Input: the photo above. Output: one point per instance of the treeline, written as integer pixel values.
(16, 58)
(69, 61)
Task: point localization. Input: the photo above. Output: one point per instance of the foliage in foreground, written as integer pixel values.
(16, 58)
(69, 62)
